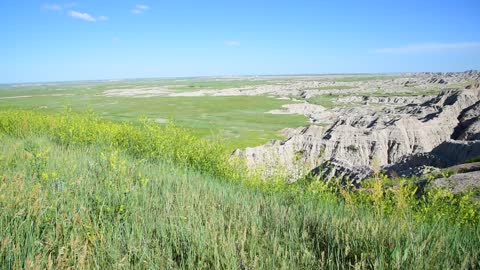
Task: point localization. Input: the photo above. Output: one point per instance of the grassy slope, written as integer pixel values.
(78, 203)
(90, 207)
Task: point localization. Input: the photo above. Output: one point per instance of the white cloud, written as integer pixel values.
(82, 16)
(142, 7)
(115, 39)
(74, 14)
(430, 48)
(232, 43)
(86, 17)
(54, 7)
(139, 9)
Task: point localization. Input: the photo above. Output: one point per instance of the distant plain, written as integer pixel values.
(240, 119)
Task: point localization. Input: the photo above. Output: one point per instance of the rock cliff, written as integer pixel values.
(436, 131)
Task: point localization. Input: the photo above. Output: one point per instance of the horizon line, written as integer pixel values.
(223, 76)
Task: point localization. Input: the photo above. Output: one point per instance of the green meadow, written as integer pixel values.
(241, 120)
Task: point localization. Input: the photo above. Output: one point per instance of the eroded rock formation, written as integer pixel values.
(434, 131)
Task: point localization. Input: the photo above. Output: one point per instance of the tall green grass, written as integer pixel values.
(80, 192)
(92, 207)
(150, 140)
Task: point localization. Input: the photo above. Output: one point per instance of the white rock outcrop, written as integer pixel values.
(366, 137)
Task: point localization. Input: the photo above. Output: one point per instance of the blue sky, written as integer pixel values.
(87, 39)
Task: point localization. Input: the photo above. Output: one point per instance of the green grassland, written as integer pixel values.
(242, 120)
(190, 84)
(327, 101)
(331, 87)
(79, 192)
(365, 78)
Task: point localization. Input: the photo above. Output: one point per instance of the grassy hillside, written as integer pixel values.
(79, 192)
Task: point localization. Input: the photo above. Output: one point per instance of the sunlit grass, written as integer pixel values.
(242, 120)
(327, 101)
(80, 192)
(90, 207)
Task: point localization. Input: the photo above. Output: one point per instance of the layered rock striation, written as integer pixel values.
(438, 131)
